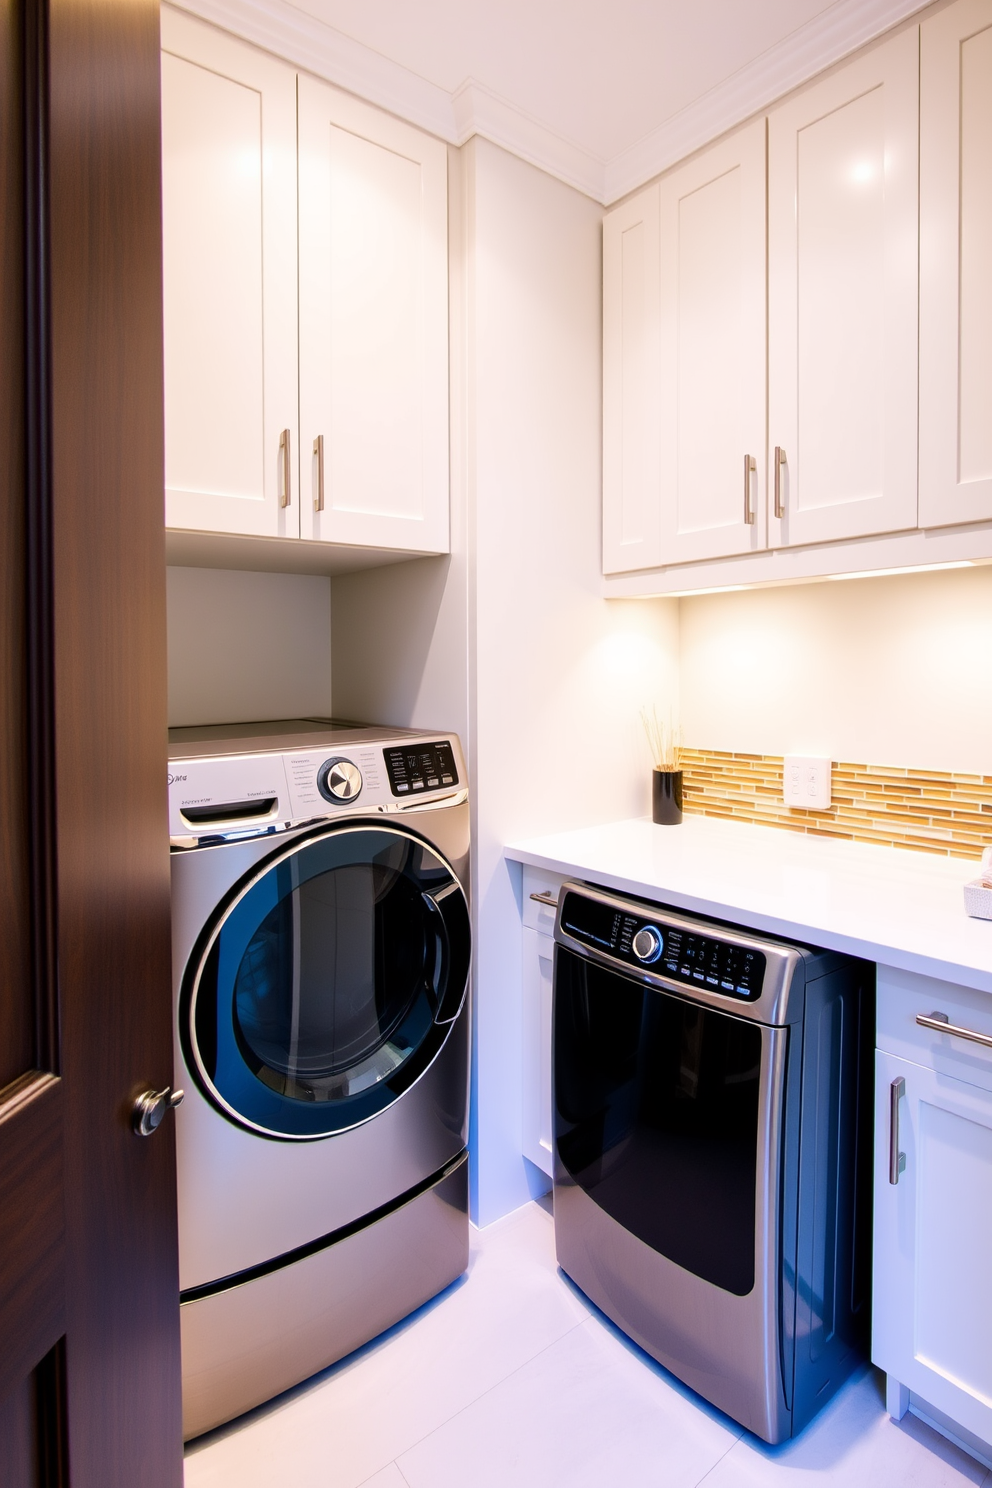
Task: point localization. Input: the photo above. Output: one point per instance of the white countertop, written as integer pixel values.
(900, 908)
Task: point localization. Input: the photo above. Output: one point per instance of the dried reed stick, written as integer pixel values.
(664, 740)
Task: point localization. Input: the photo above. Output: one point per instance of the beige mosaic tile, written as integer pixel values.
(925, 810)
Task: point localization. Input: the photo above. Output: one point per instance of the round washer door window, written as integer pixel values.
(328, 983)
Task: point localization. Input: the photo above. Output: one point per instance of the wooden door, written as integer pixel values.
(842, 299)
(955, 260)
(229, 251)
(631, 385)
(712, 486)
(32, 1098)
(932, 1289)
(89, 1325)
(373, 325)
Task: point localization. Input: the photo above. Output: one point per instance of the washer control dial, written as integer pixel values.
(338, 780)
(647, 944)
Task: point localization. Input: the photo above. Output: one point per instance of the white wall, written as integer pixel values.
(559, 673)
(887, 671)
(400, 635)
(246, 646)
(508, 641)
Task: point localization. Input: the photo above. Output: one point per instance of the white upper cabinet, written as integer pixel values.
(712, 251)
(229, 268)
(843, 286)
(373, 326)
(631, 385)
(956, 265)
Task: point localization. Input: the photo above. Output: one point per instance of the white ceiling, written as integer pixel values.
(603, 75)
(603, 93)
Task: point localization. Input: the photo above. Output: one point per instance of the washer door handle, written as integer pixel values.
(151, 1106)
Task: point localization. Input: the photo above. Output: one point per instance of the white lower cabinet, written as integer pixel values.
(932, 1293)
(540, 894)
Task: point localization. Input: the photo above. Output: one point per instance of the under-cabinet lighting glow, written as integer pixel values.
(884, 573)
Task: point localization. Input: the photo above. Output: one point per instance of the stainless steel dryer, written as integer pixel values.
(321, 952)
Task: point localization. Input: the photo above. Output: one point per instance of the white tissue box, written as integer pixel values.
(978, 900)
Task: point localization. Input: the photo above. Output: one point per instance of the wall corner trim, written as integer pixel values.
(291, 33)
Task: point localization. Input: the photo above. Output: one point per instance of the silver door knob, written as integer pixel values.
(149, 1108)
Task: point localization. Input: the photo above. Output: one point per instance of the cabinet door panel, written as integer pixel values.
(373, 324)
(843, 196)
(932, 1307)
(229, 245)
(538, 964)
(631, 390)
(713, 350)
(955, 255)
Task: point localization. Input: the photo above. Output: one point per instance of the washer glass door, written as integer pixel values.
(327, 983)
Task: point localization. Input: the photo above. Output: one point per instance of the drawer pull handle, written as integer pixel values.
(940, 1023)
(543, 898)
(897, 1159)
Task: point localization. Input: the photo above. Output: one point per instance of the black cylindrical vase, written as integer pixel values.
(666, 797)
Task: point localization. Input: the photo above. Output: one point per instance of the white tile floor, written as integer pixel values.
(511, 1379)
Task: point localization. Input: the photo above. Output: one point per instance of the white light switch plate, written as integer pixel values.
(806, 782)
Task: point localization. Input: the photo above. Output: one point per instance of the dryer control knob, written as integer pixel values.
(647, 944)
(339, 780)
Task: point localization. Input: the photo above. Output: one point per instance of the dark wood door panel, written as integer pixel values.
(17, 1024)
(32, 1226)
(108, 544)
(18, 1437)
(89, 1314)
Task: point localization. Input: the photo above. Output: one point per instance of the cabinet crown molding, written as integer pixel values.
(473, 109)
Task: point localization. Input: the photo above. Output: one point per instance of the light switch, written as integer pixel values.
(806, 782)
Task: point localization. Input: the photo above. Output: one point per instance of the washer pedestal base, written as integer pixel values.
(249, 1342)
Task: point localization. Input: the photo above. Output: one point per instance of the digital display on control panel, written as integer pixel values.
(418, 767)
(704, 961)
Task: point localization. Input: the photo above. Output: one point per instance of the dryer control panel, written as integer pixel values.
(230, 795)
(420, 767)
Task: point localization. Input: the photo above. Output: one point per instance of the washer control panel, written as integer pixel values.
(418, 767)
(701, 960)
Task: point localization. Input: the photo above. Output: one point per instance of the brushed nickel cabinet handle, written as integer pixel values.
(150, 1108)
(285, 494)
(750, 466)
(940, 1023)
(545, 899)
(318, 449)
(897, 1159)
(779, 462)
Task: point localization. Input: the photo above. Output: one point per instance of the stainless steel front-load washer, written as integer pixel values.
(713, 1149)
(321, 952)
